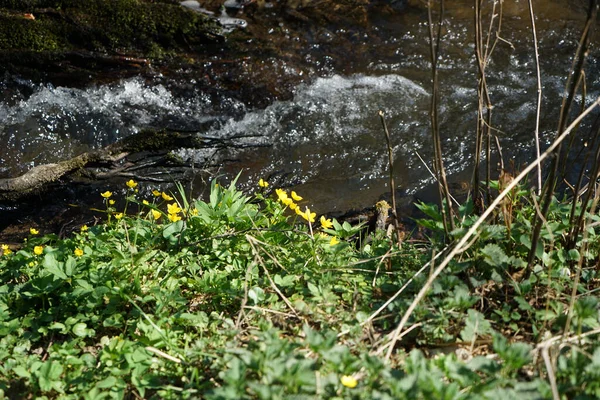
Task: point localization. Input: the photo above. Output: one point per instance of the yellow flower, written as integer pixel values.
(325, 223)
(262, 183)
(173, 208)
(31, 264)
(156, 214)
(145, 202)
(111, 202)
(174, 217)
(194, 211)
(166, 196)
(333, 241)
(296, 197)
(156, 193)
(293, 206)
(281, 194)
(38, 250)
(349, 381)
(106, 194)
(84, 228)
(131, 184)
(119, 215)
(297, 211)
(287, 201)
(33, 231)
(78, 252)
(6, 250)
(307, 215)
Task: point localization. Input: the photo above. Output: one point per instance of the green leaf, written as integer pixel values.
(49, 375)
(53, 266)
(21, 372)
(285, 281)
(574, 255)
(107, 382)
(475, 326)
(256, 294)
(79, 329)
(494, 255)
(172, 230)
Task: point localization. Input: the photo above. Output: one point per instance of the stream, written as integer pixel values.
(326, 142)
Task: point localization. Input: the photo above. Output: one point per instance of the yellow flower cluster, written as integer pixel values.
(290, 201)
(6, 250)
(173, 211)
(349, 381)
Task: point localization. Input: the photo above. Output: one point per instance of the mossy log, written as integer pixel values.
(37, 179)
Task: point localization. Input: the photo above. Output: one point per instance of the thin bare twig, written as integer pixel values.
(392, 184)
(539, 92)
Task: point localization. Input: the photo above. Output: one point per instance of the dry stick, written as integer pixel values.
(570, 90)
(584, 248)
(551, 376)
(545, 345)
(447, 211)
(539, 98)
(392, 184)
(483, 124)
(457, 249)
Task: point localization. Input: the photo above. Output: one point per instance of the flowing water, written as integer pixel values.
(327, 141)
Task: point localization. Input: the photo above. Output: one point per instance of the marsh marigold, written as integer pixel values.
(326, 223)
(262, 183)
(106, 194)
(349, 381)
(33, 231)
(174, 217)
(78, 252)
(307, 215)
(131, 184)
(296, 197)
(173, 208)
(38, 250)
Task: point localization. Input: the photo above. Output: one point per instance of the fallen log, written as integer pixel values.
(110, 158)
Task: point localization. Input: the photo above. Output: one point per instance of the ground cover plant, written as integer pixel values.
(256, 297)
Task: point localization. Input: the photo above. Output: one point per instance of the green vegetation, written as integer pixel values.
(240, 297)
(150, 29)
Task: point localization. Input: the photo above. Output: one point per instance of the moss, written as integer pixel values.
(21, 34)
(105, 25)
